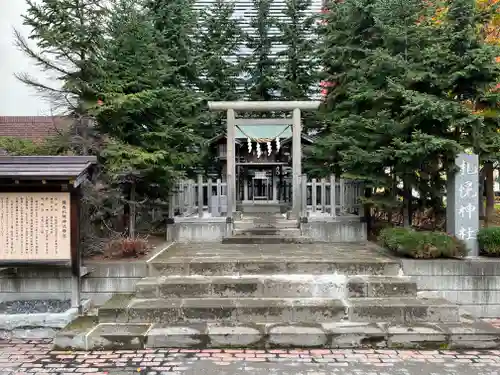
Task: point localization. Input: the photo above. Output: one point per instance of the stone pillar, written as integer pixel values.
(231, 164)
(296, 162)
(462, 211)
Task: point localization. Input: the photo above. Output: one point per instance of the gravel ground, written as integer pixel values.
(34, 306)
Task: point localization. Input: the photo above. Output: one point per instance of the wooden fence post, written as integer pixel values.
(323, 195)
(314, 195)
(182, 198)
(200, 195)
(342, 196)
(209, 195)
(333, 188)
(171, 205)
(219, 194)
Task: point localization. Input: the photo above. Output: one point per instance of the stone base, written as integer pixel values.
(38, 325)
(83, 334)
(197, 230)
(262, 207)
(340, 229)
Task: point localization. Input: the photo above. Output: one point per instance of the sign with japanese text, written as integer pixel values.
(35, 226)
(463, 200)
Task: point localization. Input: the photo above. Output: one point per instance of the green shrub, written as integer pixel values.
(422, 245)
(489, 241)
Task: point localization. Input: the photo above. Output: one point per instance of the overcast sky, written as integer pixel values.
(16, 99)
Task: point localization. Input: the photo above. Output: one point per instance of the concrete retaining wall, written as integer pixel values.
(99, 284)
(341, 229)
(197, 230)
(472, 283)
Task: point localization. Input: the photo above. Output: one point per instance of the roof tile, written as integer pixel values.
(32, 127)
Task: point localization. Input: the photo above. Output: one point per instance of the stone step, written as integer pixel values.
(273, 266)
(235, 310)
(401, 310)
(251, 224)
(262, 208)
(380, 286)
(286, 232)
(265, 239)
(85, 334)
(258, 286)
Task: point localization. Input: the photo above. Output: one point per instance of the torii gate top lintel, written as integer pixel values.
(273, 105)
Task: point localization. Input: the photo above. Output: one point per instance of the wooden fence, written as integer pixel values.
(317, 196)
(188, 193)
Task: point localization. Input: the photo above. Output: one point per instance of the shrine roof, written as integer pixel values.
(45, 167)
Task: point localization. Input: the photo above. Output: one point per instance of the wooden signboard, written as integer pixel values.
(35, 226)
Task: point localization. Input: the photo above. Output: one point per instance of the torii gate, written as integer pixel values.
(263, 106)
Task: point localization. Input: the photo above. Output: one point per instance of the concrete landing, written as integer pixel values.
(278, 259)
(360, 251)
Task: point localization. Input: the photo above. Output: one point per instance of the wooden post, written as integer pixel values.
(274, 179)
(181, 195)
(367, 210)
(245, 188)
(200, 195)
(209, 194)
(296, 162)
(171, 205)
(342, 196)
(219, 193)
(191, 197)
(333, 187)
(323, 195)
(76, 254)
(231, 163)
(314, 195)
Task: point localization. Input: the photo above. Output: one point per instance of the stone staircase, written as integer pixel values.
(265, 227)
(276, 295)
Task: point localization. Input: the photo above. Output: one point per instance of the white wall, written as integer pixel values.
(17, 99)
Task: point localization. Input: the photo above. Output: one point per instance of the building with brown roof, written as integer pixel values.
(34, 128)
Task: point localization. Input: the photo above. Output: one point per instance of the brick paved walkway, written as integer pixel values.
(494, 322)
(36, 357)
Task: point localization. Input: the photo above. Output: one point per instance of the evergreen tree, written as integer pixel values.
(390, 122)
(177, 22)
(66, 34)
(299, 66)
(149, 113)
(261, 76)
(220, 72)
(298, 62)
(473, 74)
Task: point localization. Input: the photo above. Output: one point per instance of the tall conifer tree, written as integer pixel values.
(66, 34)
(220, 40)
(299, 64)
(261, 74)
(473, 74)
(390, 121)
(148, 109)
